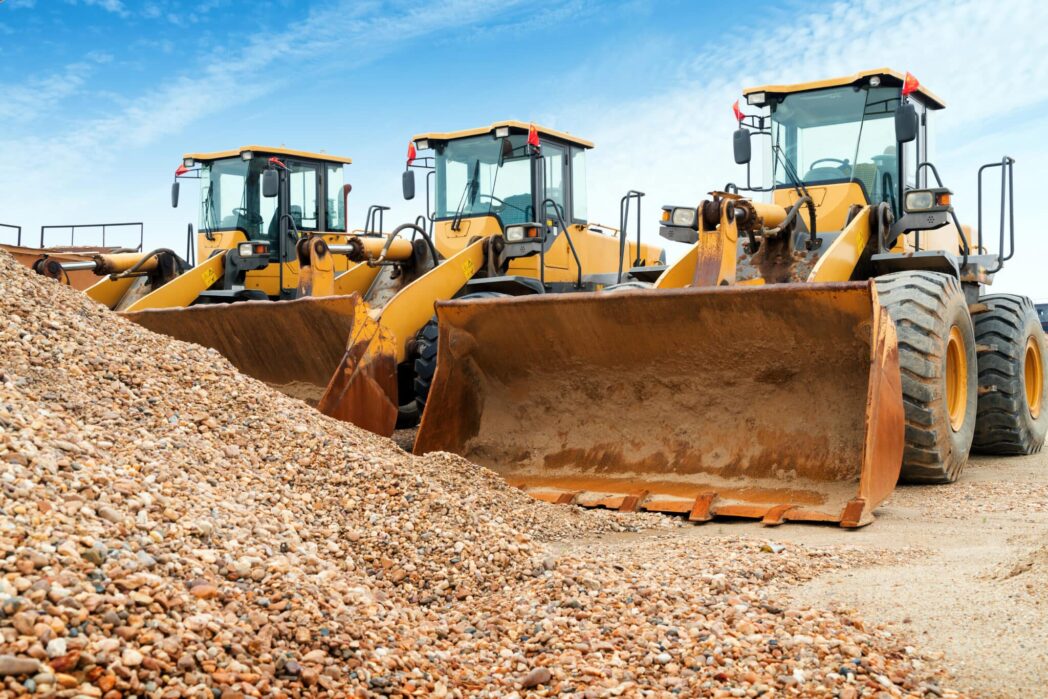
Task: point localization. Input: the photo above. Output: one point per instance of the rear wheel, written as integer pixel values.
(1013, 415)
(426, 352)
(938, 365)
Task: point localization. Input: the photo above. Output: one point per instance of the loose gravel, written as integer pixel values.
(171, 528)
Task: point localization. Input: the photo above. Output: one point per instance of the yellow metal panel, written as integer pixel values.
(356, 279)
(412, 307)
(832, 202)
(108, 292)
(680, 273)
(839, 260)
(267, 150)
(184, 289)
(513, 124)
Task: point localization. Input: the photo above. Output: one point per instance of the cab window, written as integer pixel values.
(302, 205)
(579, 213)
(553, 156)
(336, 214)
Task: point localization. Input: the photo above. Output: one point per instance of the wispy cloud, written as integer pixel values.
(226, 79)
(986, 60)
(115, 6)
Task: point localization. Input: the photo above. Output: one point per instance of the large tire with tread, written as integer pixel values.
(937, 360)
(632, 285)
(426, 352)
(1013, 383)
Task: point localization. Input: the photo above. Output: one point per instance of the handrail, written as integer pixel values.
(560, 221)
(18, 232)
(104, 226)
(1007, 193)
(376, 214)
(624, 212)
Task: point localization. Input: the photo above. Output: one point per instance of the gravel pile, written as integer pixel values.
(169, 527)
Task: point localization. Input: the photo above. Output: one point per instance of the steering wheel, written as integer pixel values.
(504, 204)
(840, 163)
(248, 216)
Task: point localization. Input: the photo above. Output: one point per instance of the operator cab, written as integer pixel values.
(838, 138)
(232, 197)
(493, 172)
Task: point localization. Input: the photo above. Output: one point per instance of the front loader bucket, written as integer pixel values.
(779, 402)
(295, 347)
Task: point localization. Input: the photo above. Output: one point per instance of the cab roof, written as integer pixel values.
(267, 150)
(888, 77)
(514, 127)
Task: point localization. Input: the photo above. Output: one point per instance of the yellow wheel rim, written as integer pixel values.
(1033, 372)
(956, 378)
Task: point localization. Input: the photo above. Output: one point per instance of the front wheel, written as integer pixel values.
(937, 362)
(1013, 383)
(426, 352)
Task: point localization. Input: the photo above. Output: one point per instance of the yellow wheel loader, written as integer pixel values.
(69, 264)
(344, 320)
(806, 349)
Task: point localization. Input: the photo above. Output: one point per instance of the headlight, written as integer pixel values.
(919, 201)
(927, 200)
(256, 247)
(685, 218)
(515, 234)
(422, 144)
(755, 99)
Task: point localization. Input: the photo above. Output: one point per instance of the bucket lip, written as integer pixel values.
(678, 292)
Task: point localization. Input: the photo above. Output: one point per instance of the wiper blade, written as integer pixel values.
(471, 185)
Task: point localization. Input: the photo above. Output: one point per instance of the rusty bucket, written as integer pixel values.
(297, 348)
(779, 402)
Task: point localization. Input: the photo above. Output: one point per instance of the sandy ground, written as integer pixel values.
(978, 593)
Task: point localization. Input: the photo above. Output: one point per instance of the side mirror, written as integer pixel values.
(407, 183)
(270, 183)
(174, 194)
(505, 151)
(905, 123)
(741, 142)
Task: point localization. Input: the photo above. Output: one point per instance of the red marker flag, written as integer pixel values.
(182, 169)
(533, 137)
(909, 84)
(738, 112)
(411, 152)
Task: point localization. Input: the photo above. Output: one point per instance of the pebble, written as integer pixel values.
(12, 665)
(206, 536)
(539, 675)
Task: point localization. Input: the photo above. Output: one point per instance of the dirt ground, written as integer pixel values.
(979, 594)
(979, 591)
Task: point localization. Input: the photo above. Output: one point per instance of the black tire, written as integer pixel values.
(1013, 384)
(932, 321)
(426, 352)
(628, 286)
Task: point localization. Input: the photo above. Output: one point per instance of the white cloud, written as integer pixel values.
(353, 33)
(988, 61)
(115, 6)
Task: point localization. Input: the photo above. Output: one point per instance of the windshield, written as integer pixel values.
(232, 198)
(837, 135)
(470, 181)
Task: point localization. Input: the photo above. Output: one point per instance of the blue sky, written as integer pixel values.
(99, 98)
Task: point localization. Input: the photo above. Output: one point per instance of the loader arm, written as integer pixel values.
(711, 260)
(184, 289)
(363, 390)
